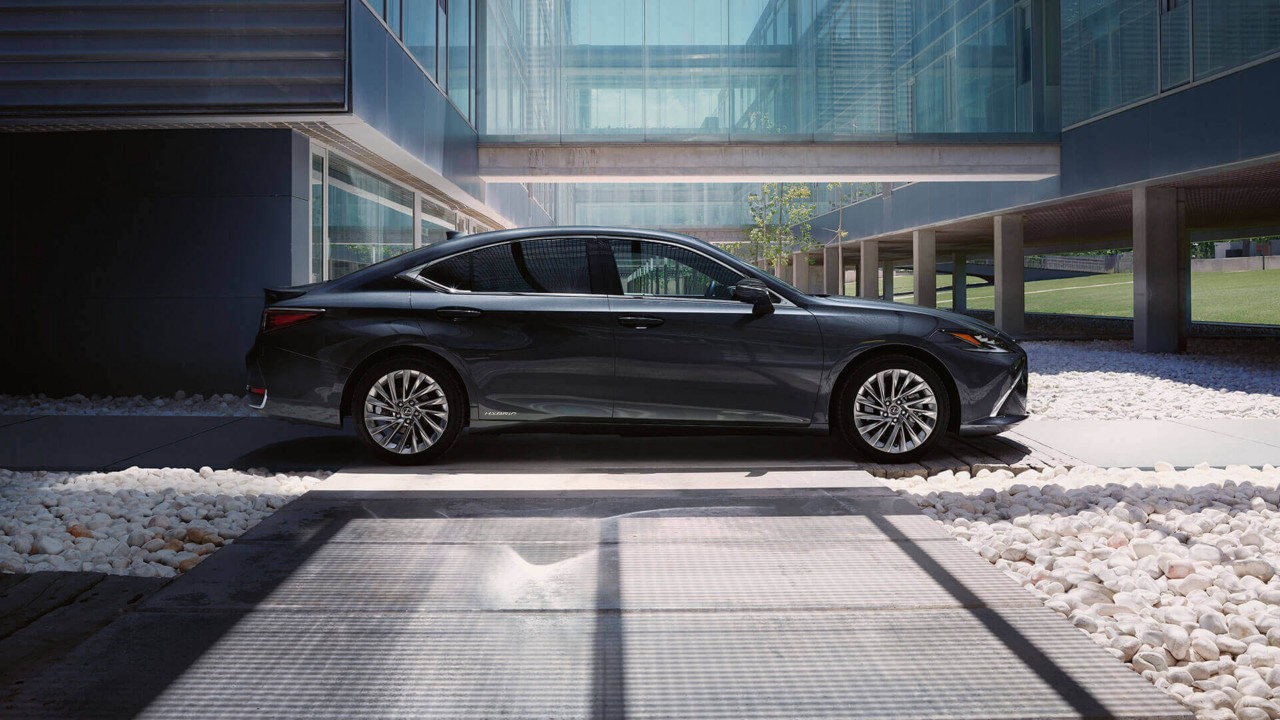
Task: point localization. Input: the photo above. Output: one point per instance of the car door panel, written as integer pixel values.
(713, 361)
(542, 357)
(543, 353)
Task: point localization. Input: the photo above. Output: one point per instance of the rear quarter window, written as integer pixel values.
(553, 265)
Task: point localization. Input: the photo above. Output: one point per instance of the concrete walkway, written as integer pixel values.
(116, 442)
(647, 595)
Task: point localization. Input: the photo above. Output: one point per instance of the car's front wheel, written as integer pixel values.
(408, 410)
(893, 409)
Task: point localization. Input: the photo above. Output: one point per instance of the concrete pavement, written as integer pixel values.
(116, 442)
(739, 594)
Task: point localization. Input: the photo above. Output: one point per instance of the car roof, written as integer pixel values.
(464, 242)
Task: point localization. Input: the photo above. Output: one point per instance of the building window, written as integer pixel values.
(317, 217)
(420, 32)
(459, 85)
(359, 218)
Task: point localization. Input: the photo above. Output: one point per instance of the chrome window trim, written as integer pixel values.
(414, 274)
(778, 299)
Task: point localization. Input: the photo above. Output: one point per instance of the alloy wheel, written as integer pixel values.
(406, 411)
(895, 411)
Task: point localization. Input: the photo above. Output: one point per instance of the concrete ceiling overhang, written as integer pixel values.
(737, 162)
(1236, 203)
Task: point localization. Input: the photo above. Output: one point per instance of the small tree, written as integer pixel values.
(780, 217)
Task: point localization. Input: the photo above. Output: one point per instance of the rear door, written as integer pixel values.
(521, 316)
(688, 352)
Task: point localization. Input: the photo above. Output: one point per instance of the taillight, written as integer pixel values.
(276, 318)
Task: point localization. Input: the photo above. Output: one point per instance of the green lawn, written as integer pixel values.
(1240, 297)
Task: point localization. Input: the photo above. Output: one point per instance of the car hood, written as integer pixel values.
(944, 317)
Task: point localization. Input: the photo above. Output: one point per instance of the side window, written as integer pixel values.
(654, 268)
(552, 265)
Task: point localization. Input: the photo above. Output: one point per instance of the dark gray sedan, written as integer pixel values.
(581, 328)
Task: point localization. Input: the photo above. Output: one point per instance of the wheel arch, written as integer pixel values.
(898, 348)
(412, 351)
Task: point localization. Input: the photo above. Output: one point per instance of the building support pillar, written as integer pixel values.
(888, 280)
(800, 271)
(924, 268)
(833, 269)
(959, 282)
(1161, 271)
(1010, 292)
(867, 265)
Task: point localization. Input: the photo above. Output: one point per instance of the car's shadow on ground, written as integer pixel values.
(527, 452)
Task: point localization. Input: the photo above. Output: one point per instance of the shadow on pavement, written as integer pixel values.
(737, 603)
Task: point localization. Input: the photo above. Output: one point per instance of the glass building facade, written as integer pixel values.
(440, 35)
(1117, 52)
(761, 70)
(359, 217)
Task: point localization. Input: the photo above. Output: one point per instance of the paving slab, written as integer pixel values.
(86, 442)
(358, 480)
(603, 603)
(28, 597)
(257, 442)
(1143, 443)
(1019, 663)
(65, 626)
(1266, 432)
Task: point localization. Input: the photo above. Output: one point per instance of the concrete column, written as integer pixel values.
(888, 281)
(1010, 293)
(867, 265)
(832, 270)
(1161, 271)
(800, 271)
(924, 268)
(959, 282)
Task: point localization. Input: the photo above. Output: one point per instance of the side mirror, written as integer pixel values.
(755, 292)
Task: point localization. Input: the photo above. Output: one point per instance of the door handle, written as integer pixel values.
(457, 314)
(640, 322)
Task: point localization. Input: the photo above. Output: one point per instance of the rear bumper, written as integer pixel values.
(298, 388)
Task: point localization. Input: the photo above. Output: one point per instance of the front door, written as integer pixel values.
(688, 352)
(537, 344)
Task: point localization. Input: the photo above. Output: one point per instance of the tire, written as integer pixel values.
(410, 431)
(892, 435)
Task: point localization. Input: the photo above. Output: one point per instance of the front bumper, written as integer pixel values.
(1009, 410)
(991, 425)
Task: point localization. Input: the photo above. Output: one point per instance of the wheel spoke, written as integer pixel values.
(895, 410)
(406, 411)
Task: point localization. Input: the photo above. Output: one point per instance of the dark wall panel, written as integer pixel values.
(148, 279)
(391, 93)
(59, 57)
(1227, 120)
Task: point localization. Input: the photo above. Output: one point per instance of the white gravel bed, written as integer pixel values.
(1107, 380)
(1174, 572)
(144, 522)
(227, 405)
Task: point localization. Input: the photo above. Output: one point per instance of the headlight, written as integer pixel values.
(978, 341)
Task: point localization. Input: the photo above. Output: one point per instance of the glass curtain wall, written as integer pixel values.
(359, 218)
(440, 35)
(769, 70)
(1117, 52)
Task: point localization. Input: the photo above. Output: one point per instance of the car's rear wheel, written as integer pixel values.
(408, 410)
(894, 408)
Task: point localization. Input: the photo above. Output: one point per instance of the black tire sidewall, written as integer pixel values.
(448, 383)
(848, 391)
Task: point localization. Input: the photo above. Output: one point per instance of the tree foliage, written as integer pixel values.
(780, 225)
